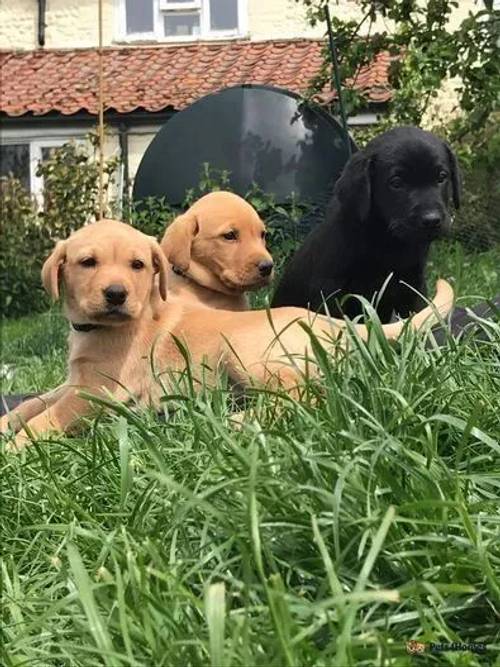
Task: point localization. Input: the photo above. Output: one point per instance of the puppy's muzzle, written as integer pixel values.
(115, 295)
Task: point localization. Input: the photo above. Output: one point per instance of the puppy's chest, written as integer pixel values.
(196, 295)
(144, 365)
(377, 265)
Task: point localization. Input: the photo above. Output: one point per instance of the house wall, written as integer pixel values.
(70, 24)
(73, 23)
(139, 138)
(138, 141)
(271, 19)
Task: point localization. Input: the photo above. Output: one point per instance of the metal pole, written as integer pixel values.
(101, 117)
(336, 76)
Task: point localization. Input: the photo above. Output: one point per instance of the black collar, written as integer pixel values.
(84, 328)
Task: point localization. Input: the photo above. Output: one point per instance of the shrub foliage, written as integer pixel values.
(30, 228)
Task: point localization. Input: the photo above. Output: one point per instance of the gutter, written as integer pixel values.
(41, 22)
(110, 117)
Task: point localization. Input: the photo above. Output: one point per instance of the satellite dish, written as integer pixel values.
(258, 134)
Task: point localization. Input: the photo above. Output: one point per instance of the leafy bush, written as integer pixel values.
(71, 199)
(151, 215)
(71, 187)
(24, 242)
(426, 52)
(477, 223)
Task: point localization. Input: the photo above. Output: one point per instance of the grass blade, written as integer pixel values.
(215, 613)
(84, 587)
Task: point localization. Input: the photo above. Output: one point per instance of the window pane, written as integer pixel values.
(47, 152)
(15, 160)
(177, 25)
(139, 16)
(223, 14)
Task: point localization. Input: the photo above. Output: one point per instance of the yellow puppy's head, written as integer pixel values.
(220, 243)
(108, 272)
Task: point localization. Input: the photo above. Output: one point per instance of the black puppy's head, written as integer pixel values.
(403, 180)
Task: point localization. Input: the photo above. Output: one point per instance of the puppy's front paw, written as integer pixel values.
(18, 443)
(4, 425)
(10, 423)
(237, 420)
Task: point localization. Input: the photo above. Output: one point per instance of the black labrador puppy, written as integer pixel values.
(390, 203)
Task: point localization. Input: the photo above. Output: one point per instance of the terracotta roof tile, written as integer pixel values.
(155, 78)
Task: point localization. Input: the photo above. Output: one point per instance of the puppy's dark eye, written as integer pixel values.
(230, 236)
(88, 262)
(442, 176)
(137, 264)
(396, 182)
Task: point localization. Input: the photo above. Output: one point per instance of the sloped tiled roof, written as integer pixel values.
(155, 78)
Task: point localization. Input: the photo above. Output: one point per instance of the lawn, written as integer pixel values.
(327, 532)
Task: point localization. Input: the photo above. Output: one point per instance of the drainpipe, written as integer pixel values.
(41, 22)
(123, 139)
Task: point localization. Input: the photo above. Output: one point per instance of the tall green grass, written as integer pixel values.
(325, 532)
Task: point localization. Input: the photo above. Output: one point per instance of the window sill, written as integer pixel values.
(147, 40)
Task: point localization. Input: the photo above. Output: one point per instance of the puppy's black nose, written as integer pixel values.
(431, 220)
(115, 295)
(265, 268)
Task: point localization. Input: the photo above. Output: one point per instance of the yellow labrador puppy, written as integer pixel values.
(217, 252)
(122, 327)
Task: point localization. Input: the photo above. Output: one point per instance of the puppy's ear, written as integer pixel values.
(456, 177)
(160, 266)
(52, 268)
(353, 189)
(177, 240)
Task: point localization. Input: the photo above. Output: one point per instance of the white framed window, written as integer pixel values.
(39, 152)
(180, 20)
(20, 155)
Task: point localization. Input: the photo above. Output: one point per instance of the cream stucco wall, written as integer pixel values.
(73, 23)
(270, 19)
(70, 24)
(138, 141)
